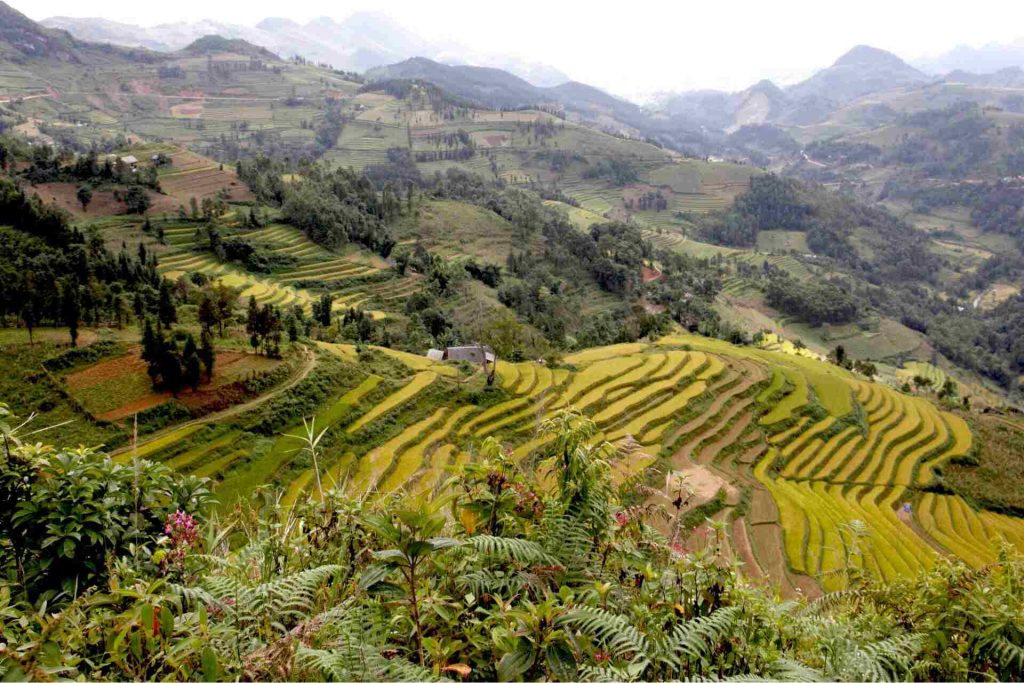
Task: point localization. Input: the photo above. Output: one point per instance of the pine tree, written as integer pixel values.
(170, 369)
(207, 312)
(252, 324)
(207, 354)
(190, 363)
(323, 311)
(72, 305)
(292, 325)
(166, 311)
(149, 350)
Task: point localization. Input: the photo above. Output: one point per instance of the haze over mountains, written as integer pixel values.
(362, 41)
(986, 59)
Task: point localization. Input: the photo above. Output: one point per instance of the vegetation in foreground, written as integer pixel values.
(114, 572)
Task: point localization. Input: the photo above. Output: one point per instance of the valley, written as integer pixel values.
(409, 370)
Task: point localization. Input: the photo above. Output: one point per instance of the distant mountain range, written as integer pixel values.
(986, 59)
(498, 89)
(861, 71)
(360, 42)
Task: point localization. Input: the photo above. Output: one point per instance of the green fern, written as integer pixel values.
(693, 641)
(360, 663)
(492, 582)
(1008, 653)
(882, 660)
(517, 550)
(287, 599)
(615, 633)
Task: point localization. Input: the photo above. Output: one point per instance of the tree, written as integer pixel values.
(950, 390)
(206, 312)
(252, 324)
(322, 310)
(207, 353)
(72, 308)
(291, 324)
(170, 368)
(136, 200)
(167, 312)
(866, 368)
(84, 195)
(190, 364)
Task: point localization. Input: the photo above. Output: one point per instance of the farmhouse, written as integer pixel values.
(475, 353)
(131, 162)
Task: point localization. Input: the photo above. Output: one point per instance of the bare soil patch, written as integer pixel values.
(103, 202)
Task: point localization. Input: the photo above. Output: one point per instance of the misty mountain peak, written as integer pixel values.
(867, 56)
(277, 24)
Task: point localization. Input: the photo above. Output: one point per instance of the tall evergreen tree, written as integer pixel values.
(72, 308)
(166, 310)
(207, 354)
(191, 364)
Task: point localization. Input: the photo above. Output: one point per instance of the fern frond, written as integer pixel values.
(694, 640)
(487, 581)
(191, 596)
(1008, 653)
(792, 670)
(360, 663)
(884, 659)
(615, 633)
(517, 550)
(567, 541)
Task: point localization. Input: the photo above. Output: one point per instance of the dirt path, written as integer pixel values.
(309, 362)
(908, 519)
(744, 552)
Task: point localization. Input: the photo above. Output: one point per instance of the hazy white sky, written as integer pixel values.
(637, 46)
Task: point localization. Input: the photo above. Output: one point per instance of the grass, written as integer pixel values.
(781, 241)
(458, 229)
(996, 461)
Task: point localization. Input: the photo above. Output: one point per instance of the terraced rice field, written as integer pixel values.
(190, 175)
(820, 475)
(351, 281)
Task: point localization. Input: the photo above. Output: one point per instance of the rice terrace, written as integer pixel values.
(333, 351)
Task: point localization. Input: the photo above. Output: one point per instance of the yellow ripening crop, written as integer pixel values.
(418, 383)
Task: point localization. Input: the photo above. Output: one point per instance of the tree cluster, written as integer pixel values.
(171, 367)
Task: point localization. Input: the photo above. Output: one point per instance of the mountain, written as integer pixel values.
(483, 85)
(214, 44)
(1010, 77)
(164, 38)
(860, 71)
(496, 88)
(23, 40)
(362, 41)
(986, 59)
